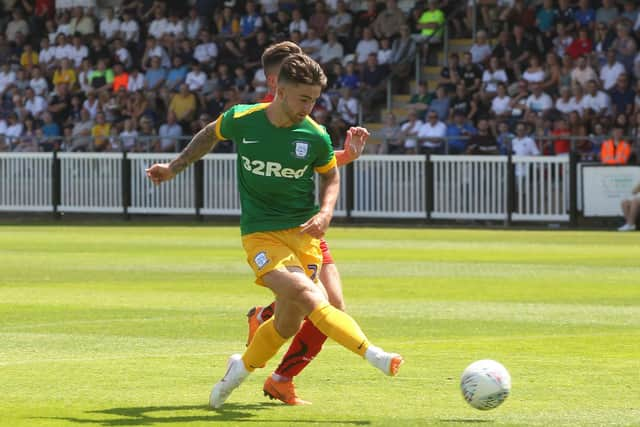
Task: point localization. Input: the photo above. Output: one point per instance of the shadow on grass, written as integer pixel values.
(144, 416)
(466, 420)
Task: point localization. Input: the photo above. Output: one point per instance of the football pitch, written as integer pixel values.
(132, 325)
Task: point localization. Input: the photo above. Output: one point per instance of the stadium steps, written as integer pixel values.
(375, 139)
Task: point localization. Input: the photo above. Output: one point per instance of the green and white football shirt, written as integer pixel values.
(275, 167)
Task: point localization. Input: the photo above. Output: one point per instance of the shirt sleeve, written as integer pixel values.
(326, 159)
(225, 125)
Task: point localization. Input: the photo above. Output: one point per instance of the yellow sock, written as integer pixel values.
(265, 344)
(340, 327)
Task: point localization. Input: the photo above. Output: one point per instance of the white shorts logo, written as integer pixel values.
(261, 260)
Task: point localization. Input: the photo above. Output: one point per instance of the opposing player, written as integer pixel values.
(308, 342)
(279, 147)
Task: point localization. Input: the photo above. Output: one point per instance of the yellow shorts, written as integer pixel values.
(272, 250)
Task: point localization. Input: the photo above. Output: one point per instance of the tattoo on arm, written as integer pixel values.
(200, 144)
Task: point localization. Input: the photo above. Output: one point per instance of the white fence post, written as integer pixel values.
(220, 185)
(91, 182)
(25, 182)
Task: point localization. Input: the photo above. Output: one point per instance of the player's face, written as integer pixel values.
(298, 100)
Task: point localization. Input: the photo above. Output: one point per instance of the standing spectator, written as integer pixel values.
(615, 151)
(559, 145)
(109, 25)
(432, 134)
(391, 135)
(170, 134)
(389, 22)
(523, 145)
(403, 52)
(81, 132)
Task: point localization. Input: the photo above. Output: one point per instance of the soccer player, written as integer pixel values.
(307, 343)
(279, 147)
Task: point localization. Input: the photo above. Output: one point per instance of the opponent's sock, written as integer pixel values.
(340, 327)
(266, 312)
(264, 346)
(305, 346)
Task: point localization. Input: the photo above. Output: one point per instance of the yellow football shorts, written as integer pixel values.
(273, 250)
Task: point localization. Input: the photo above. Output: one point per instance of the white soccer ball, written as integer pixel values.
(485, 384)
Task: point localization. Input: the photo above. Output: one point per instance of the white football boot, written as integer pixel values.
(236, 373)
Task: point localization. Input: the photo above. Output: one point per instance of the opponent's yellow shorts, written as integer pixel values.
(272, 250)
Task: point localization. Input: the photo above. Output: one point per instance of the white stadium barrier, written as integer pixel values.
(174, 197)
(389, 187)
(542, 188)
(469, 187)
(91, 182)
(402, 187)
(26, 182)
(221, 195)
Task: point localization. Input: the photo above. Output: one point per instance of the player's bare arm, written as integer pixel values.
(354, 143)
(201, 143)
(318, 224)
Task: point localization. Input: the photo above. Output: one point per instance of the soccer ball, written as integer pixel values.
(485, 384)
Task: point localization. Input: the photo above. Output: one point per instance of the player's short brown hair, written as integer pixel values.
(301, 69)
(276, 53)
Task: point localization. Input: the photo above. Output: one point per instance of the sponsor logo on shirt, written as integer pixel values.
(262, 168)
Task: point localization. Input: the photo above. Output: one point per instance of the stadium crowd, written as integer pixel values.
(110, 75)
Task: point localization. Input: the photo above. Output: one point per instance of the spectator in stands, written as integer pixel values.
(622, 96)
(538, 103)
(451, 74)
(625, 46)
(298, 23)
(176, 74)
(432, 134)
(482, 142)
(350, 78)
(129, 29)
(51, 134)
(431, 27)
(564, 103)
(38, 83)
(463, 102)
(458, 131)
(65, 74)
(441, 103)
(611, 70)
(136, 81)
(583, 72)
(366, 18)
(348, 107)
(518, 51)
(196, 78)
(147, 135)
(403, 52)
(311, 44)
(170, 134)
(631, 210)
(596, 102)
(585, 16)
(501, 103)
(18, 25)
(504, 137)
(471, 74)
(100, 131)
(615, 151)
(101, 79)
(341, 22)
(491, 77)
(34, 104)
(331, 51)
(366, 46)
(582, 45)
(319, 20)
(480, 50)
(7, 77)
(420, 101)
(373, 85)
(128, 137)
(60, 103)
(409, 133)
(384, 53)
(389, 22)
(391, 135)
(560, 145)
(608, 13)
(183, 105)
(154, 76)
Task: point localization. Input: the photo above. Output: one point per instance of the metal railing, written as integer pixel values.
(402, 187)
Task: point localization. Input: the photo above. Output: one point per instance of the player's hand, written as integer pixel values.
(317, 225)
(355, 141)
(160, 172)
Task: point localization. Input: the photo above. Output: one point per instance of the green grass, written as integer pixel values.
(123, 326)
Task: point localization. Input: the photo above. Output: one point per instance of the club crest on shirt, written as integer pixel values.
(261, 259)
(300, 149)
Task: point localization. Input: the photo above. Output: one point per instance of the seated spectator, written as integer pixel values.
(312, 44)
(348, 107)
(607, 13)
(562, 41)
(582, 73)
(501, 103)
(388, 23)
(129, 29)
(47, 54)
(13, 130)
(431, 24)
(154, 76)
(366, 46)
(170, 134)
(625, 46)
(403, 52)
(206, 52)
(7, 77)
(552, 74)
(298, 23)
(109, 25)
(158, 26)
(120, 78)
(534, 72)
(409, 132)
(458, 133)
(128, 137)
(350, 78)
(59, 104)
(34, 104)
(341, 21)
(136, 81)
(101, 79)
(431, 134)
(615, 151)
(471, 74)
(482, 142)
(384, 53)
(331, 51)
(193, 24)
(121, 53)
(596, 102)
(538, 103)
(391, 135)
(196, 78)
(28, 58)
(480, 50)
(175, 27)
(373, 85)
(319, 20)
(581, 45)
(154, 50)
(100, 133)
(622, 96)
(631, 210)
(564, 103)
(81, 23)
(183, 105)
(491, 77)
(451, 74)
(17, 25)
(546, 17)
(441, 103)
(585, 16)
(38, 83)
(176, 74)
(519, 48)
